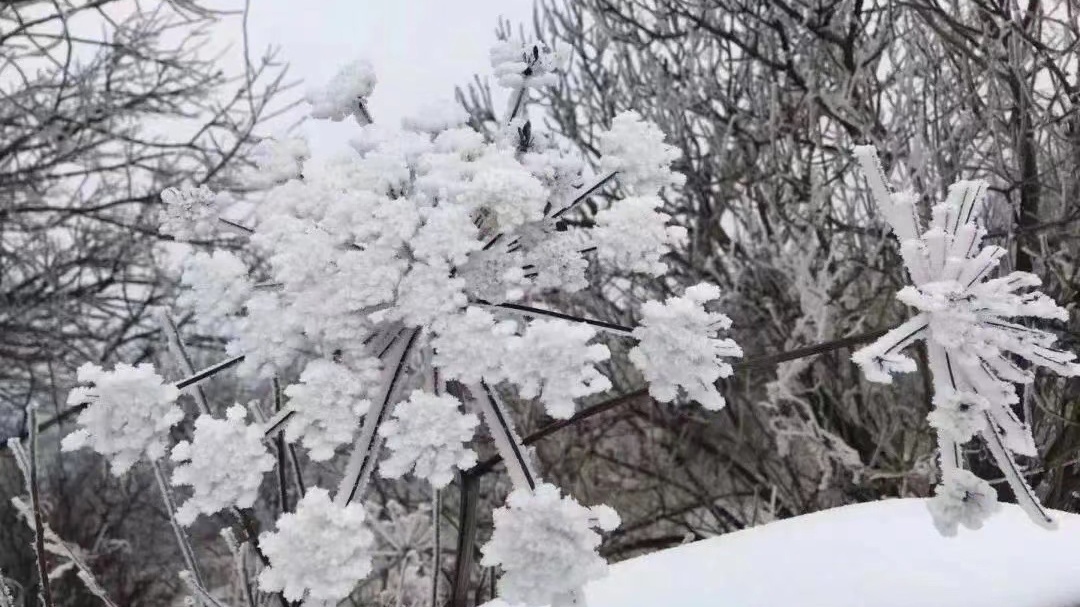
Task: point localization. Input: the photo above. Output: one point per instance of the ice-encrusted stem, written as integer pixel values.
(1025, 495)
(507, 442)
(186, 551)
(366, 447)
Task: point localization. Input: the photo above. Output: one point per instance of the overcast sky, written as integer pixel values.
(420, 49)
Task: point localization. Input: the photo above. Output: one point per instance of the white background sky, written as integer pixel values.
(420, 49)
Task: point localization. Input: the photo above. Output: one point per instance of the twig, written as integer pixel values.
(28, 464)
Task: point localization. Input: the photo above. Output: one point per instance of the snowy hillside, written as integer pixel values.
(881, 554)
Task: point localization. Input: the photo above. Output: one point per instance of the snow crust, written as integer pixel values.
(879, 554)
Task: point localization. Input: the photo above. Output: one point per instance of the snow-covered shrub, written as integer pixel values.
(130, 412)
(974, 347)
(426, 257)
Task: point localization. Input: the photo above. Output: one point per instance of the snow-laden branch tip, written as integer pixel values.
(976, 348)
(318, 551)
(546, 545)
(129, 417)
(679, 350)
(428, 435)
(224, 464)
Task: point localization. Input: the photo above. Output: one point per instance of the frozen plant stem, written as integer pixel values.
(31, 473)
(181, 536)
(506, 438)
(365, 449)
(531, 312)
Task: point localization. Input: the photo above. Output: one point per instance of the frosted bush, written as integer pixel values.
(223, 464)
(427, 435)
(129, 416)
(320, 551)
(546, 546)
(524, 63)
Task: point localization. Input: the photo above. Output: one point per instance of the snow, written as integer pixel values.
(879, 554)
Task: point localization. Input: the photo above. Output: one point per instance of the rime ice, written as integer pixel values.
(130, 413)
(546, 546)
(427, 435)
(223, 464)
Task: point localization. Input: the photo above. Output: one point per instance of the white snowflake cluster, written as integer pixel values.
(678, 348)
(964, 317)
(428, 435)
(278, 160)
(216, 286)
(635, 149)
(129, 416)
(341, 97)
(192, 213)
(328, 403)
(321, 550)
(223, 464)
(546, 546)
(634, 234)
(553, 361)
(962, 499)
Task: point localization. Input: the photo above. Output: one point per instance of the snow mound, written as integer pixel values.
(880, 554)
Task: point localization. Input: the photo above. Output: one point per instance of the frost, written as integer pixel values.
(635, 149)
(973, 347)
(632, 235)
(341, 97)
(448, 235)
(962, 499)
(678, 347)
(224, 465)
(434, 118)
(191, 213)
(130, 413)
(217, 286)
(427, 296)
(323, 549)
(473, 346)
(958, 415)
(428, 434)
(546, 546)
(278, 160)
(501, 186)
(328, 403)
(553, 361)
(525, 63)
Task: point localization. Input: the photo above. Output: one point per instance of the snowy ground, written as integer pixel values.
(881, 554)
